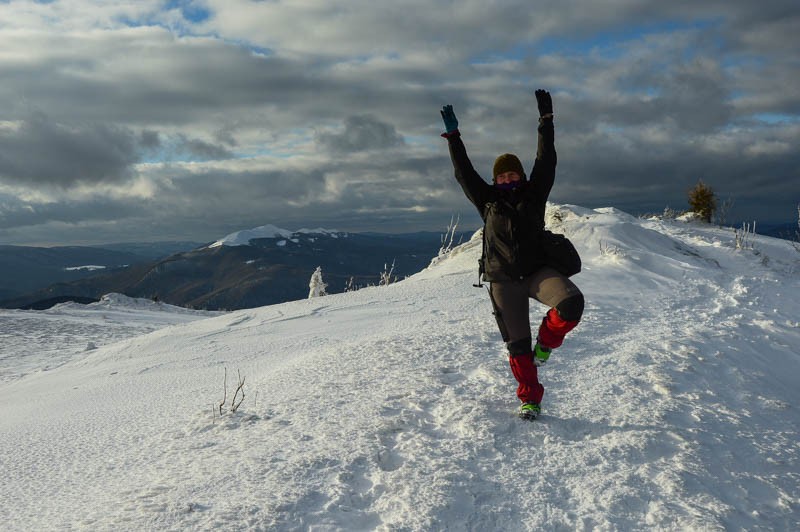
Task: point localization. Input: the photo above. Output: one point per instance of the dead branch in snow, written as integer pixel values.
(225, 387)
(234, 404)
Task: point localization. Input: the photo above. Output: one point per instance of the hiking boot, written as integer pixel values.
(530, 411)
(541, 354)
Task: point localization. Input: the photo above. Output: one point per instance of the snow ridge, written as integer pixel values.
(243, 238)
(671, 407)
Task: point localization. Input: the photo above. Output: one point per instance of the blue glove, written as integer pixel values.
(450, 120)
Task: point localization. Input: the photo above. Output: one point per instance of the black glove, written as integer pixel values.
(449, 118)
(545, 103)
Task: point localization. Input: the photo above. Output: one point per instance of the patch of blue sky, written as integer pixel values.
(191, 14)
(261, 51)
(147, 22)
(187, 31)
(190, 10)
(609, 44)
(777, 118)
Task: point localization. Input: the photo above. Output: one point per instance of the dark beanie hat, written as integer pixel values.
(508, 162)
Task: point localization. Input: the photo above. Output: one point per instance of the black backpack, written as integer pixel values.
(560, 254)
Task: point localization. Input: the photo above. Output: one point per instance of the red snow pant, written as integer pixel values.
(511, 306)
(530, 389)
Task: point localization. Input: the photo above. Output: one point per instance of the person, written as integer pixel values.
(515, 259)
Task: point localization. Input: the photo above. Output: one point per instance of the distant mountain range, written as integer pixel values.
(26, 269)
(786, 231)
(246, 269)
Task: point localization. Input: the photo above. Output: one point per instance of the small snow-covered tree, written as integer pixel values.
(316, 286)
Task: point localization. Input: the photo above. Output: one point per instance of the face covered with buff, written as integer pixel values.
(507, 172)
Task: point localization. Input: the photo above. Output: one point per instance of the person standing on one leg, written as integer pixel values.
(515, 250)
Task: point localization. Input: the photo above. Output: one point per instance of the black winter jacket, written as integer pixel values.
(527, 204)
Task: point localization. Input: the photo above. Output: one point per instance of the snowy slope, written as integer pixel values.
(32, 341)
(672, 406)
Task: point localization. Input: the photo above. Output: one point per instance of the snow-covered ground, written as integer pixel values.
(673, 406)
(42, 340)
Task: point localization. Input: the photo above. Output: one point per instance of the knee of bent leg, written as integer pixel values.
(571, 309)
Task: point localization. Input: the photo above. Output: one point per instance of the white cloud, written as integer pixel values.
(75, 15)
(768, 147)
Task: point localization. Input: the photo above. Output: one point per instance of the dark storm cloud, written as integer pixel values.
(19, 213)
(214, 192)
(145, 76)
(657, 168)
(41, 151)
(361, 132)
(202, 150)
(211, 203)
(354, 191)
(150, 140)
(692, 95)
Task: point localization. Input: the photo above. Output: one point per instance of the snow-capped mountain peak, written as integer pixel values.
(243, 238)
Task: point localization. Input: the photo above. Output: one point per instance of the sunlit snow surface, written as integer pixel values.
(672, 406)
(33, 341)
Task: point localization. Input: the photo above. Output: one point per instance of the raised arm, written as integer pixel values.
(473, 185)
(544, 169)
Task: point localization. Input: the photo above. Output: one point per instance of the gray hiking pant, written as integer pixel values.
(511, 304)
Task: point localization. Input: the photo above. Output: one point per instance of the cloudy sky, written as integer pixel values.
(148, 120)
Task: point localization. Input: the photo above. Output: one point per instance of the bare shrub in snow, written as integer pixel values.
(225, 389)
(239, 388)
(316, 286)
(744, 236)
(724, 211)
(447, 241)
(668, 214)
(610, 250)
(351, 285)
(555, 216)
(797, 233)
(387, 275)
(447, 237)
